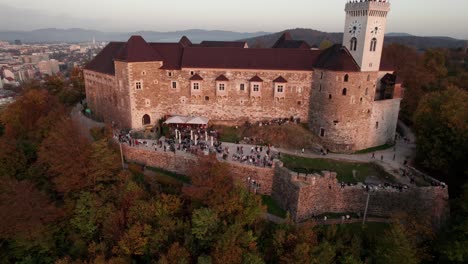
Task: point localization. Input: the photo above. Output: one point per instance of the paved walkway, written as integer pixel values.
(84, 123)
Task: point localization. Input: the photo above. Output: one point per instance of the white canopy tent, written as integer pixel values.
(197, 120)
(187, 120)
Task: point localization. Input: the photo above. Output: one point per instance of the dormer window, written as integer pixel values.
(221, 86)
(256, 87)
(196, 86)
(280, 88)
(138, 85)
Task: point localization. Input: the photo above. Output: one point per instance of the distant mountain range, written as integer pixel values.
(264, 39)
(75, 35)
(314, 38)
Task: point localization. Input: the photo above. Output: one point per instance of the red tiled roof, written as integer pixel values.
(256, 79)
(222, 44)
(185, 42)
(337, 58)
(177, 56)
(196, 77)
(235, 58)
(171, 53)
(286, 42)
(222, 78)
(104, 61)
(280, 80)
(137, 50)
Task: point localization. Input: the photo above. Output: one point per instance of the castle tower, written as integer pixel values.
(364, 31)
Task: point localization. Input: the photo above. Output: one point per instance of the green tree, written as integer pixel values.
(395, 247)
(441, 127)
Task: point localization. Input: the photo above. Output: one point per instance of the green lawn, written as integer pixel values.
(343, 169)
(369, 150)
(273, 207)
(229, 134)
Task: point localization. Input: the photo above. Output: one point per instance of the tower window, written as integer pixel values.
(174, 85)
(346, 78)
(373, 45)
(322, 132)
(207, 98)
(169, 74)
(345, 91)
(242, 87)
(376, 125)
(353, 44)
(330, 96)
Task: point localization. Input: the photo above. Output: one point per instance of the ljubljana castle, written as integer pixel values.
(345, 93)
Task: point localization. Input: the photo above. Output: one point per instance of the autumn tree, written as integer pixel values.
(441, 126)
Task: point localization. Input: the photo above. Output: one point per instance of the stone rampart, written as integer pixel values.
(305, 196)
(182, 164)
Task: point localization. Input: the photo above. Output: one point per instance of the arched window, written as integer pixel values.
(353, 44)
(345, 91)
(373, 44)
(146, 120)
(346, 78)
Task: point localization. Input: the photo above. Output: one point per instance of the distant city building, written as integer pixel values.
(74, 47)
(50, 67)
(18, 42)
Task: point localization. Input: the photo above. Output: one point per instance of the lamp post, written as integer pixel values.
(367, 206)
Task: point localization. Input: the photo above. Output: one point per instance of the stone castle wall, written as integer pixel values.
(183, 163)
(343, 116)
(158, 98)
(305, 196)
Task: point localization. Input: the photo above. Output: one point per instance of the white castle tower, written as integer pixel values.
(364, 31)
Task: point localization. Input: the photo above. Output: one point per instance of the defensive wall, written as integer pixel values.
(305, 196)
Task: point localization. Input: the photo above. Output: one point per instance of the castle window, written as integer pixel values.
(196, 86)
(147, 102)
(242, 87)
(169, 74)
(143, 73)
(174, 85)
(376, 125)
(138, 85)
(373, 44)
(360, 100)
(221, 86)
(146, 120)
(346, 78)
(280, 88)
(192, 72)
(353, 44)
(322, 132)
(330, 96)
(207, 98)
(299, 103)
(345, 91)
(368, 78)
(367, 90)
(321, 75)
(256, 87)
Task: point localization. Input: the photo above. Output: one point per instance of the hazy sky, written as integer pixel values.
(419, 17)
